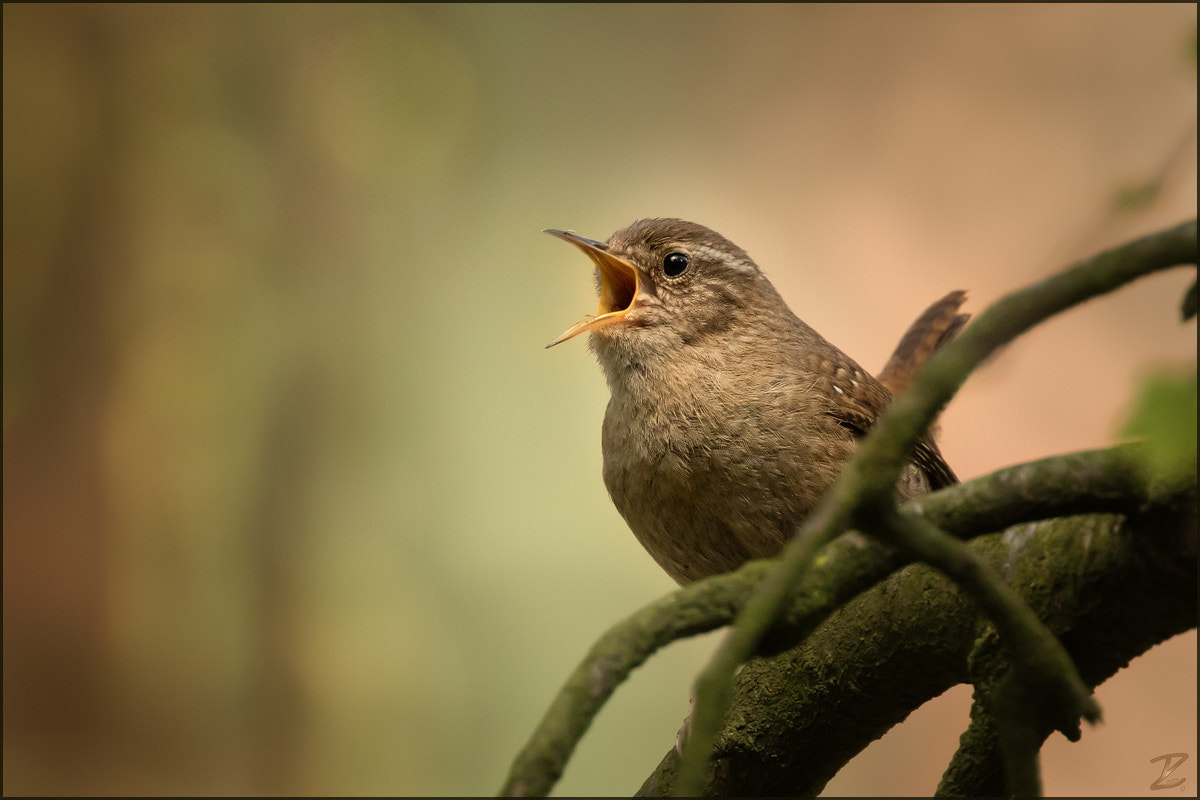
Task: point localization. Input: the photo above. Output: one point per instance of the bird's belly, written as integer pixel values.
(703, 504)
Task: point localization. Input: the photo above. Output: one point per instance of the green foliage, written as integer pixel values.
(1165, 417)
(1134, 197)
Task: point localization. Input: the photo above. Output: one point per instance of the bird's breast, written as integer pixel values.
(713, 472)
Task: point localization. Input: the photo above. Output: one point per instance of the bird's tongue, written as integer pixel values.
(618, 285)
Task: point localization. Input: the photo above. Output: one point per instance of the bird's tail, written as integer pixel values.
(938, 325)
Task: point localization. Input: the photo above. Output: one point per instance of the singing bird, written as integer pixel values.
(729, 417)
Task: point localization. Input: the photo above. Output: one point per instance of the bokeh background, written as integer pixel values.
(294, 499)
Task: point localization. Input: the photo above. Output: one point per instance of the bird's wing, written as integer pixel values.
(927, 456)
(857, 401)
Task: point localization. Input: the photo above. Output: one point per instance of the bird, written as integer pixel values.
(728, 417)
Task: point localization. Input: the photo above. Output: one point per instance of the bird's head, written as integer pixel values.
(666, 282)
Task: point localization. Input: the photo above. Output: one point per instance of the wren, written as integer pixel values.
(729, 417)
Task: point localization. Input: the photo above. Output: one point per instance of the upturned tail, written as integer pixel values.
(938, 325)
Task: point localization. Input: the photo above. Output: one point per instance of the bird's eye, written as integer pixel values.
(675, 264)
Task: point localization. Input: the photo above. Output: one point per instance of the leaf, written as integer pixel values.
(1165, 417)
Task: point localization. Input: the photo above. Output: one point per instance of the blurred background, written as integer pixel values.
(294, 500)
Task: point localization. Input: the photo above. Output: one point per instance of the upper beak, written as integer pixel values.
(619, 284)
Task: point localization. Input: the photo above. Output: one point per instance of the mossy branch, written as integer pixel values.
(1109, 586)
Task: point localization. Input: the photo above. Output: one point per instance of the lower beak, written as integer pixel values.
(619, 285)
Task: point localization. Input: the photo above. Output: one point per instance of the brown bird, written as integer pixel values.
(729, 417)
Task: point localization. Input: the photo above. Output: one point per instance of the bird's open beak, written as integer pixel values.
(618, 285)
